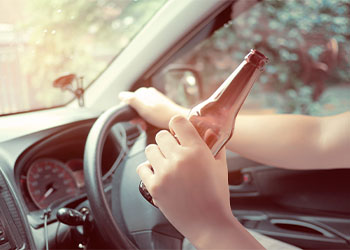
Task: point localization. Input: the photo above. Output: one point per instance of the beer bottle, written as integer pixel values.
(215, 118)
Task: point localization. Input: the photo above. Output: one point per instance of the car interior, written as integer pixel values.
(68, 172)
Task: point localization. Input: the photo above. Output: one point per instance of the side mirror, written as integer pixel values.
(183, 84)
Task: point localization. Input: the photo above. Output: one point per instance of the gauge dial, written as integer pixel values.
(50, 180)
(77, 166)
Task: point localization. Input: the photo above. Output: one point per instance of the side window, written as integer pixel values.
(308, 46)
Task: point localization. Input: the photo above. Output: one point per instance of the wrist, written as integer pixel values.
(211, 234)
(226, 234)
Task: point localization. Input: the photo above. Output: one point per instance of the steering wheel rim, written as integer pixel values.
(101, 211)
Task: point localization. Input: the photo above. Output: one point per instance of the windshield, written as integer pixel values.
(42, 40)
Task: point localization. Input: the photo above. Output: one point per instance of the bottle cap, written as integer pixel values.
(256, 58)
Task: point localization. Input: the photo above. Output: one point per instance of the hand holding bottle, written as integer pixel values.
(191, 191)
(190, 187)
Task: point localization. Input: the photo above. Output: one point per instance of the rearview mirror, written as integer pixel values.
(66, 83)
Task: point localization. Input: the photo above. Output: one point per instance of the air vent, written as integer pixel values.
(12, 232)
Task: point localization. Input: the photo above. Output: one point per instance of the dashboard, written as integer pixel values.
(52, 170)
(42, 170)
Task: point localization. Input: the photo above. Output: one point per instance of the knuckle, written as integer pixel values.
(154, 189)
(141, 89)
(139, 92)
(179, 163)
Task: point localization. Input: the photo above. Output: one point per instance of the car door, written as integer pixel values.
(307, 43)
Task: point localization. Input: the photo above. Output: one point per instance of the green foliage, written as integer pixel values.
(295, 35)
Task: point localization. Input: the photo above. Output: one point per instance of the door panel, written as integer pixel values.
(310, 209)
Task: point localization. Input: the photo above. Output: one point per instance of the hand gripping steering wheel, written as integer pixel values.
(131, 222)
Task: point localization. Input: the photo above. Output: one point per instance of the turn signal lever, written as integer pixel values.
(72, 217)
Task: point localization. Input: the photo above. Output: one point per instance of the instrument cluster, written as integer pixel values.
(52, 171)
(49, 180)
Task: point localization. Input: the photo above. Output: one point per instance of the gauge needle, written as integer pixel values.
(47, 194)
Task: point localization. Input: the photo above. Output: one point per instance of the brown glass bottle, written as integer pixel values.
(215, 118)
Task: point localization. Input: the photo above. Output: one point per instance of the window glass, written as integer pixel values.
(41, 40)
(308, 46)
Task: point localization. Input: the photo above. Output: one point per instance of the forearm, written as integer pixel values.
(292, 141)
(286, 141)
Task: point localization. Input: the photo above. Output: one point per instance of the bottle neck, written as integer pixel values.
(232, 93)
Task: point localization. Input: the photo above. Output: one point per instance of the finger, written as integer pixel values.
(132, 98)
(221, 155)
(210, 137)
(125, 96)
(166, 143)
(155, 157)
(140, 122)
(144, 170)
(184, 131)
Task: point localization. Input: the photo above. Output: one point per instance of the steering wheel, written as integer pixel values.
(131, 222)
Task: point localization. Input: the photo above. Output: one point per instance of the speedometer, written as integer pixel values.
(50, 180)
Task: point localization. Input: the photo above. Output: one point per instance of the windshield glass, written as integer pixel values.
(42, 40)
